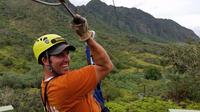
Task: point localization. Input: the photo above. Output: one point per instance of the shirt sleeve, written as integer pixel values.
(82, 81)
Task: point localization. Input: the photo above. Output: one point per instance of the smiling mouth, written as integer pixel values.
(66, 67)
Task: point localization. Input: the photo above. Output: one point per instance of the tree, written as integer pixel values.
(185, 73)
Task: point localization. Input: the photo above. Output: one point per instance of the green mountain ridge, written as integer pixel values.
(134, 21)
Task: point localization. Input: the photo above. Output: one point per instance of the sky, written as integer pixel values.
(184, 12)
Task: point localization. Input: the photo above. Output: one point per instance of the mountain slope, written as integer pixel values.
(134, 21)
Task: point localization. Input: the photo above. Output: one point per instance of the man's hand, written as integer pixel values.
(103, 64)
(80, 25)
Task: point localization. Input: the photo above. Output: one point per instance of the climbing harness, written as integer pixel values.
(98, 92)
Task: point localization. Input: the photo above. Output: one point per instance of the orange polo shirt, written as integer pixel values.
(73, 91)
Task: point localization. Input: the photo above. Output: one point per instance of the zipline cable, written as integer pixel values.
(61, 2)
(115, 11)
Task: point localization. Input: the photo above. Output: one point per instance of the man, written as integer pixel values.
(65, 90)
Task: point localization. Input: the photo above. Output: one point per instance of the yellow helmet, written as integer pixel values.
(47, 42)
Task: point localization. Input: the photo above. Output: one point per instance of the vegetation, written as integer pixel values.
(148, 75)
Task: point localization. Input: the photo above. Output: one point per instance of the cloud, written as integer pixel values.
(79, 2)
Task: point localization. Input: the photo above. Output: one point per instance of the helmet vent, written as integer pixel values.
(46, 40)
(59, 39)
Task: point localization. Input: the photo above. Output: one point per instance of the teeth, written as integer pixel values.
(65, 66)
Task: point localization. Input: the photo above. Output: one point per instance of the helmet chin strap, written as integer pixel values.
(50, 68)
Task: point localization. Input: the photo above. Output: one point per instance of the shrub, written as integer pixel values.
(152, 73)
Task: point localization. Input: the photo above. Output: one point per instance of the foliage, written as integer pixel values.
(195, 106)
(147, 104)
(184, 58)
(21, 99)
(152, 73)
(151, 105)
(116, 107)
(28, 80)
(184, 77)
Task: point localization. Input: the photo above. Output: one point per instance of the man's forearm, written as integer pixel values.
(99, 54)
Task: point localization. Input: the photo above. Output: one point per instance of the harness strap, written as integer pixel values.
(43, 102)
(45, 99)
(98, 93)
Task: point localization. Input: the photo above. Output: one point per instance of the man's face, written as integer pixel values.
(60, 62)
